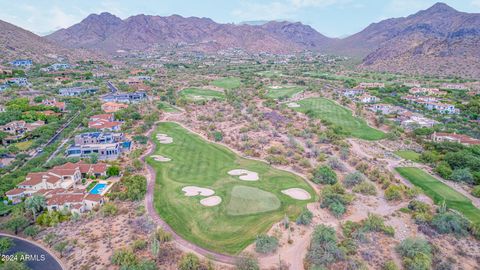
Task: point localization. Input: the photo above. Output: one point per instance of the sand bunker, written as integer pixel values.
(195, 191)
(160, 158)
(297, 193)
(245, 175)
(293, 105)
(164, 138)
(275, 87)
(211, 201)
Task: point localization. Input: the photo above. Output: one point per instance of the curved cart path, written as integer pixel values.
(149, 205)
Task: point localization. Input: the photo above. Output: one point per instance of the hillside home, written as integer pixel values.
(454, 86)
(76, 91)
(21, 81)
(107, 146)
(426, 91)
(366, 98)
(24, 63)
(386, 109)
(111, 107)
(368, 85)
(54, 103)
(453, 137)
(125, 97)
(412, 121)
(442, 108)
(350, 93)
(104, 122)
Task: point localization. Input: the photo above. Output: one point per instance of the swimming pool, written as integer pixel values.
(98, 188)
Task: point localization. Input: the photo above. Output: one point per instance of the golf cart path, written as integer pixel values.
(181, 243)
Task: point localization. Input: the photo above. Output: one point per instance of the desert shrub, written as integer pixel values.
(162, 236)
(324, 175)
(247, 262)
(421, 212)
(139, 244)
(449, 222)
(365, 188)
(462, 175)
(132, 187)
(189, 261)
(324, 249)
(124, 258)
(443, 169)
(109, 209)
(353, 179)
(390, 265)
(266, 244)
(335, 164)
(31, 231)
(305, 217)
(416, 253)
(476, 191)
(375, 223)
(393, 193)
(335, 199)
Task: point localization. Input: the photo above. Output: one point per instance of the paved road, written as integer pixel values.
(112, 87)
(41, 259)
(184, 244)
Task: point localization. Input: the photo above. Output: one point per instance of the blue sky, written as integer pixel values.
(334, 18)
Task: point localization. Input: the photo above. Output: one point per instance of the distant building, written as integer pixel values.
(453, 137)
(416, 120)
(368, 85)
(104, 122)
(54, 103)
(76, 91)
(21, 81)
(125, 97)
(366, 98)
(3, 87)
(111, 107)
(350, 93)
(426, 91)
(56, 67)
(107, 146)
(386, 109)
(24, 63)
(454, 86)
(442, 108)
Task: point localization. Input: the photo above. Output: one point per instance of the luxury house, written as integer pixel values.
(25, 63)
(111, 107)
(54, 103)
(350, 93)
(453, 137)
(104, 122)
(76, 91)
(367, 85)
(125, 97)
(107, 146)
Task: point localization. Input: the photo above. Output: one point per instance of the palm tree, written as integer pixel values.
(35, 203)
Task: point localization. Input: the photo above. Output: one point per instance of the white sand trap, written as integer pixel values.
(293, 105)
(161, 158)
(191, 191)
(297, 193)
(275, 87)
(164, 138)
(211, 201)
(245, 175)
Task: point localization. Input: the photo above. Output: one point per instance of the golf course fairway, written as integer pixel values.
(247, 208)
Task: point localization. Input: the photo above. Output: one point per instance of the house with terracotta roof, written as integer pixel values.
(111, 107)
(454, 137)
(54, 103)
(104, 122)
(368, 85)
(366, 98)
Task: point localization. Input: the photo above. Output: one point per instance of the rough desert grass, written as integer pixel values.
(227, 83)
(440, 192)
(328, 110)
(205, 164)
(286, 91)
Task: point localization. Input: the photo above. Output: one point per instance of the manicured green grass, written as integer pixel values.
(250, 200)
(205, 164)
(227, 83)
(201, 94)
(286, 91)
(166, 107)
(408, 155)
(328, 110)
(440, 192)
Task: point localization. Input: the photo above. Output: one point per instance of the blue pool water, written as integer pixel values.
(98, 189)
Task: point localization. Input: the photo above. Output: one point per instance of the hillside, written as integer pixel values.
(16, 42)
(109, 33)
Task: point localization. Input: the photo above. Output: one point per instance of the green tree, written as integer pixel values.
(5, 244)
(16, 224)
(36, 204)
(113, 171)
(247, 262)
(60, 247)
(266, 244)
